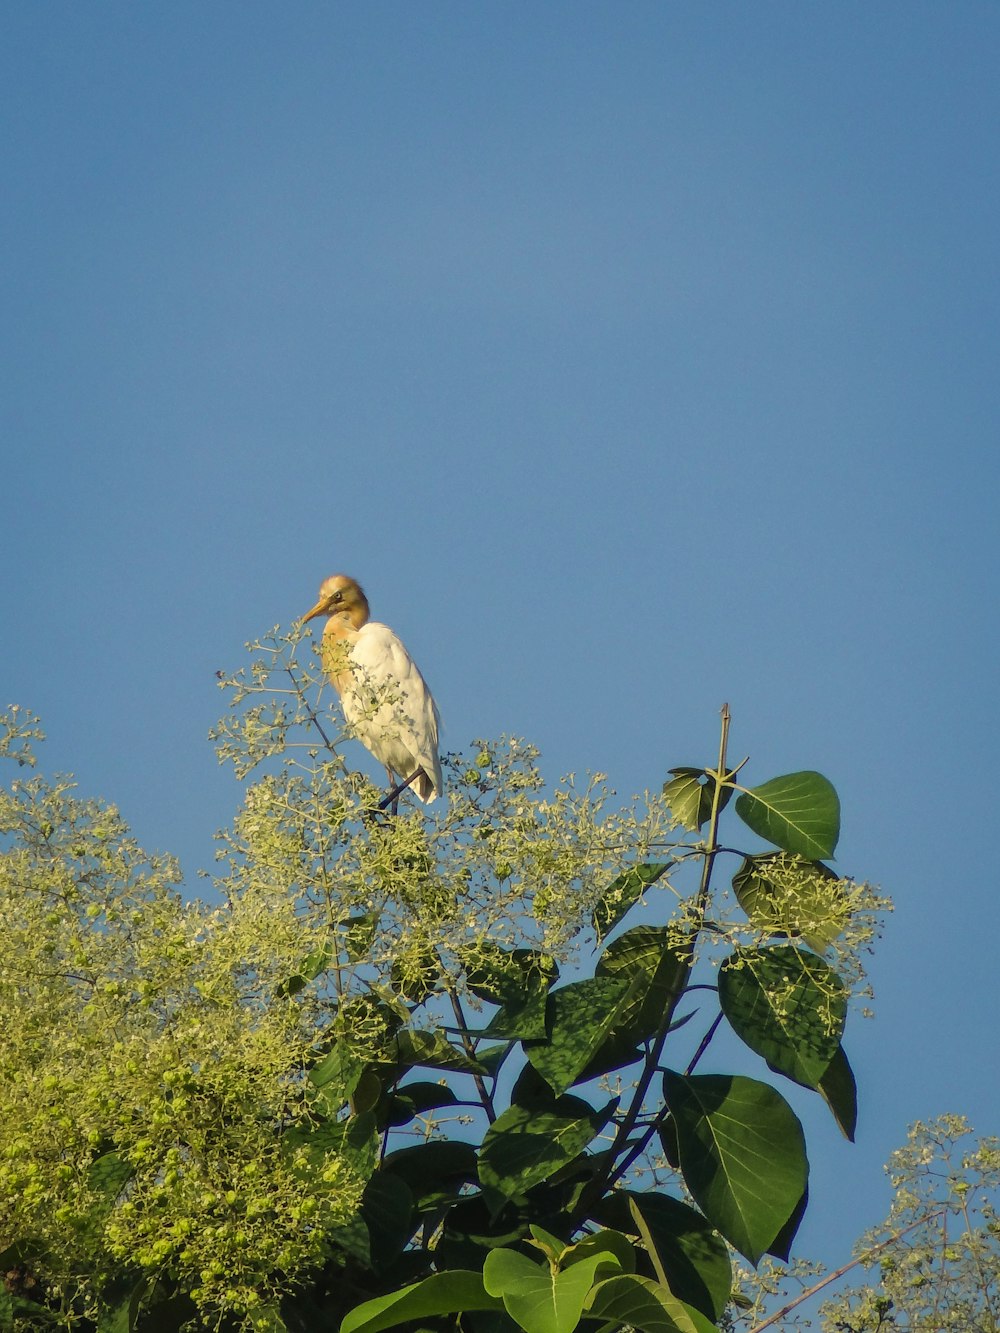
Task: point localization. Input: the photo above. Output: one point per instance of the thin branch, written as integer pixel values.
(470, 1049)
(703, 1045)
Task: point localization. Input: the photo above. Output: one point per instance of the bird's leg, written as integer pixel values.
(397, 790)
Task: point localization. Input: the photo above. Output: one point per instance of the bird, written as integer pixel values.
(385, 699)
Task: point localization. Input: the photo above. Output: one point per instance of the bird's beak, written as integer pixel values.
(317, 610)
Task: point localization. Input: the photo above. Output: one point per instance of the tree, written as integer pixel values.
(413, 1068)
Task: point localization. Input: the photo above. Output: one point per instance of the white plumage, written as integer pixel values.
(385, 699)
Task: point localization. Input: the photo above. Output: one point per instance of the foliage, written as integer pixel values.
(417, 1069)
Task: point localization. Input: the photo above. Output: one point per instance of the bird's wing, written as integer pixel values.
(390, 705)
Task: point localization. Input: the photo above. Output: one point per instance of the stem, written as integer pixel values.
(607, 1178)
(703, 1045)
(470, 1050)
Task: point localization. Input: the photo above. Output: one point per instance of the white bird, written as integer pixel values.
(385, 699)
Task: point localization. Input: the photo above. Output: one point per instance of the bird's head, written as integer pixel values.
(340, 596)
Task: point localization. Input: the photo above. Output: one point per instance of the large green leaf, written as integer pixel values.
(783, 894)
(428, 1168)
(655, 961)
(690, 1252)
(799, 812)
(540, 1297)
(388, 1212)
(742, 1154)
(526, 1144)
(623, 891)
(781, 1246)
(788, 1006)
(351, 1238)
(454, 1292)
(839, 1090)
(578, 1018)
(433, 1050)
(522, 1018)
(644, 1305)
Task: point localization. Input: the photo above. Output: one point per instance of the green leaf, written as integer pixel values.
(470, 1229)
(18, 1311)
(654, 961)
(413, 1099)
(605, 1241)
(358, 934)
(783, 894)
(515, 979)
(309, 969)
(539, 1297)
(742, 1154)
(335, 1078)
(578, 1018)
(644, 1305)
(689, 1250)
(264, 1319)
(622, 893)
(492, 1057)
(433, 1050)
(799, 812)
(108, 1175)
(352, 1239)
(507, 976)
(781, 1246)
(428, 1167)
(551, 1246)
(840, 1092)
(388, 1212)
(690, 795)
(454, 1292)
(788, 1006)
(121, 1317)
(355, 1139)
(526, 1144)
(524, 1018)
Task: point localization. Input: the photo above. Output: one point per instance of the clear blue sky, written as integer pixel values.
(635, 357)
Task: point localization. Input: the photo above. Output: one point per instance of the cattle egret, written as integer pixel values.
(385, 699)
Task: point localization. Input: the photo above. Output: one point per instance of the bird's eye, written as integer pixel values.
(338, 596)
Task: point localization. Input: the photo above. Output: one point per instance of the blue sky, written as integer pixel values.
(635, 358)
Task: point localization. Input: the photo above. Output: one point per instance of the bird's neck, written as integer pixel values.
(345, 625)
(338, 635)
